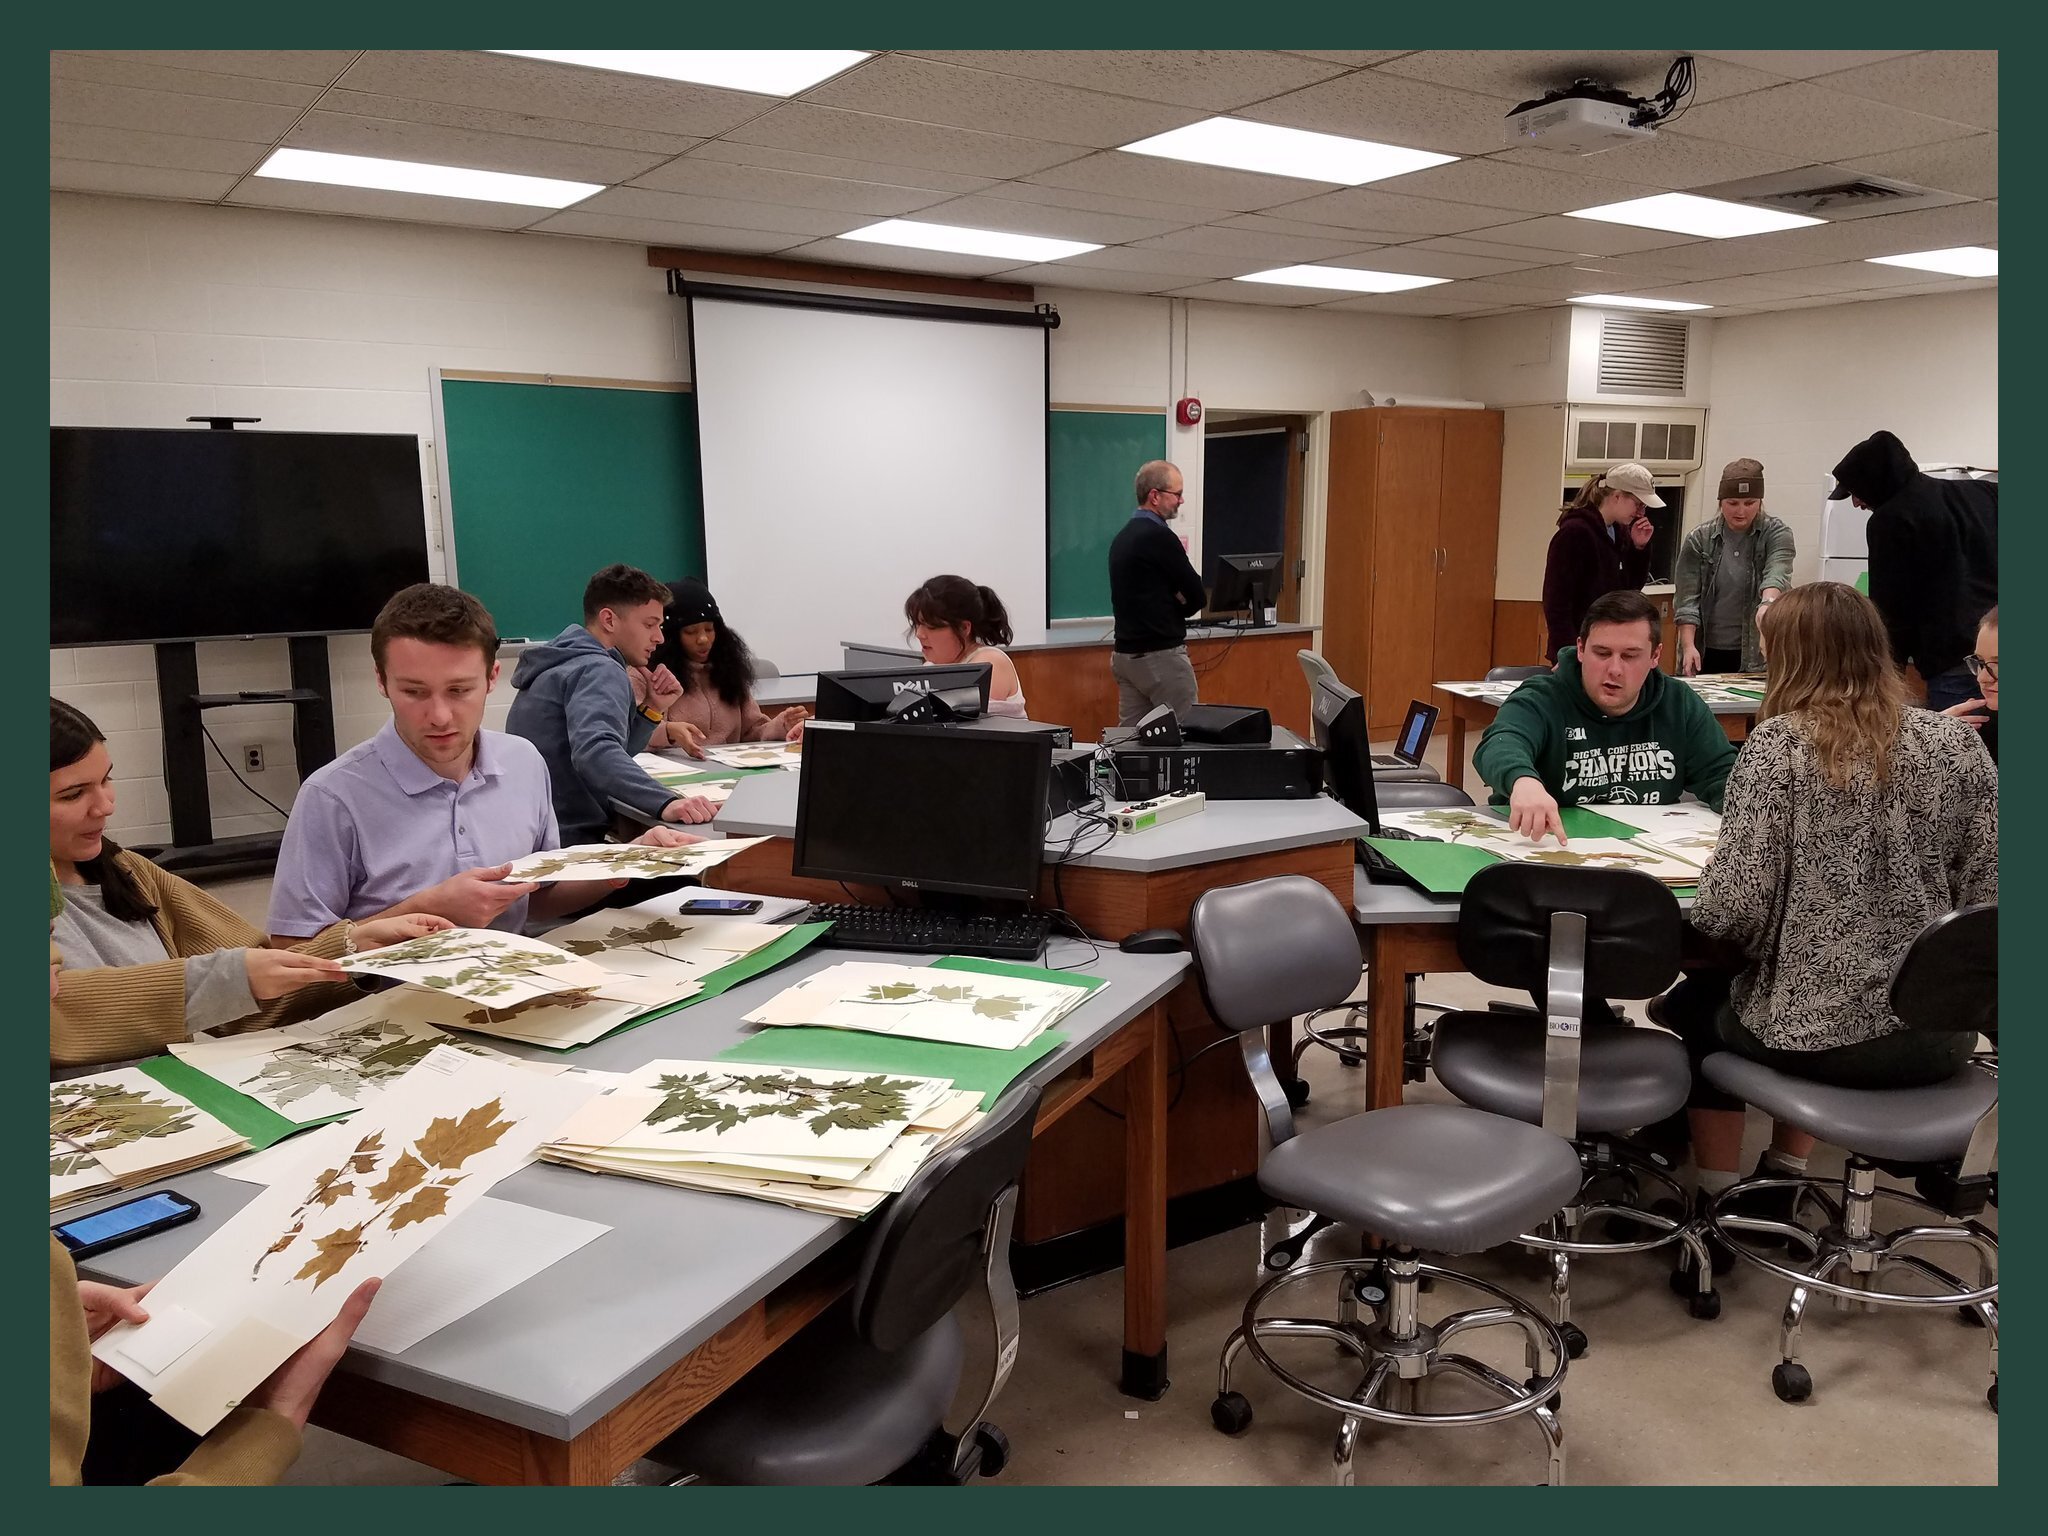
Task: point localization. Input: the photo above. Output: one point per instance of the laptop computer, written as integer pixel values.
(1413, 740)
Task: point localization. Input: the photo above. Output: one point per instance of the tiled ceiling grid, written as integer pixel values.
(1025, 141)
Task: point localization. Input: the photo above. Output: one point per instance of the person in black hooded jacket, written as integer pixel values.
(1933, 560)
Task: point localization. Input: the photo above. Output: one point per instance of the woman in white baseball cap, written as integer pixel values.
(1602, 545)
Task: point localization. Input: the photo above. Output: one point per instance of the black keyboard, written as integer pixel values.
(919, 931)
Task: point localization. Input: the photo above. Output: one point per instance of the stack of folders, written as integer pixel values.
(115, 1130)
(956, 1007)
(838, 1143)
(1488, 831)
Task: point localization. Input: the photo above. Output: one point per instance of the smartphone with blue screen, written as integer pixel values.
(145, 1215)
(721, 906)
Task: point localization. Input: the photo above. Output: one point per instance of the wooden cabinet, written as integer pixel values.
(1413, 526)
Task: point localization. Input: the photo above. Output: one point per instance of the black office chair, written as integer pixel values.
(1572, 939)
(1346, 1041)
(1439, 1177)
(862, 1392)
(1943, 1137)
(1513, 674)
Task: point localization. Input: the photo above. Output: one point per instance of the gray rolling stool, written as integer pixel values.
(1347, 1038)
(1573, 938)
(1437, 1177)
(1513, 674)
(1944, 1137)
(862, 1392)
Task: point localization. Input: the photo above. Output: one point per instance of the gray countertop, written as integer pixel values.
(557, 1353)
(1398, 902)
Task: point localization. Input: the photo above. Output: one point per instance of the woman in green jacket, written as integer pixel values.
(1729, 569)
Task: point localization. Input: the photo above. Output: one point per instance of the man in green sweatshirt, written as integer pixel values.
(1606, 725)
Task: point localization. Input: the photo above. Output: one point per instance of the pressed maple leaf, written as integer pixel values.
(890, 992)
(425, 1205)
(364, 1158)
(448, 1143)
(331, 1254)
(405, 1174)
(332, 1191)
(279, 1246)
(952, 994)
(998, 1007)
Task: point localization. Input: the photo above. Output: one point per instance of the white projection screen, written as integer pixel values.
(848, 456)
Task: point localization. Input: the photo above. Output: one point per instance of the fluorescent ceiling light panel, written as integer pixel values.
(963, 241)
(1957, 261)
(1349, 279)
(1623, 301)
(1683, 214)
(1246, 146)
(428, 180)
(767, 71)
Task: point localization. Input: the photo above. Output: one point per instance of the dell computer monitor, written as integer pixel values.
(1246, 582)
(932, 809)
(868, 695)
(1339, 714)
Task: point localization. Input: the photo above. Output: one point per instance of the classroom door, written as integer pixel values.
(1251, 497)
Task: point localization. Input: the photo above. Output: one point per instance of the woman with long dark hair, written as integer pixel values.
(954, 622)
(716, 670)
(148, 959)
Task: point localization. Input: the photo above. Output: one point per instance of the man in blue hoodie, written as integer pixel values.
(579, 704)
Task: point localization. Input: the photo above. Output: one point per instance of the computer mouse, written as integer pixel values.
(1153, 941)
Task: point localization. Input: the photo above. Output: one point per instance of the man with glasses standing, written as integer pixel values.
(1153, 588)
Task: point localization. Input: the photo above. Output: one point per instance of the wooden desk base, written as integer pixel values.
(1071, 684)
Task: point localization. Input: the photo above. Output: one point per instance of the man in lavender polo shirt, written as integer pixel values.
(426, 815)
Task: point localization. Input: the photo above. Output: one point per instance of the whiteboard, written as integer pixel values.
(848, 457)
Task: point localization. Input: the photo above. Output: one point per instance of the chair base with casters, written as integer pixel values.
(1348, 1040)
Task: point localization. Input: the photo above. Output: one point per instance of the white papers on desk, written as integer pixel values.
(758, 754)
(1000, 1013)
(1687, 830)
(483, 965)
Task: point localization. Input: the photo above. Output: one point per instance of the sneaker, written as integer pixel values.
(1764, 1205)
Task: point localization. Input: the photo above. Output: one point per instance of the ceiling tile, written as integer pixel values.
(900, 258)
(135, 70)
(1495, 183)
(1037, 219)
(1802, 63)
(1588, 277)
(1369, 208)
(1213, 79)
(1825, 125)
(1966, 166)
(758, 184)
(362, 202)
(1204, 186)
(1392, 110)
(307, 66)
(391, 139)
(1276, 294)
(126, 146)
(702, 237)
(1466, 245)
(1523, 75)
(1669, 161)
(1721, 291)
(199, 117)
(1428, 303)
(138, 180)
(1271, 250)
(881, 172)
(1267, 224)
(863, 136)
(518, 124)
(1177, 215)
(1492, 292)
(1062, 274)
(919, 90)
(1357, 58)
(1839, 277)
(1152, 258)
(1409, 258)
(545, 89)
(718, 212)
(1920, 229)
(1960, 85)
(1584, 237)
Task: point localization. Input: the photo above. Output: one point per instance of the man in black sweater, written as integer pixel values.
(1933, 560)
(1152, 590)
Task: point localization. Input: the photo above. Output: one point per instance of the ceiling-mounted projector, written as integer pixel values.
(1586, 117)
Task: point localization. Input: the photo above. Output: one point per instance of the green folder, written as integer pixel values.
(1442, 869)
(726, 977)
(254, 1121)
(713, 775)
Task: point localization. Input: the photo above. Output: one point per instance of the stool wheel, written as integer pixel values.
(1791, 1381)
(1231, 1413)
(1351, 1059)
(1705, 1305)
(1575, 1341)
(1297, 1092)
(994, 1447)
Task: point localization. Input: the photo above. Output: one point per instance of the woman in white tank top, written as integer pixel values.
(956, 622)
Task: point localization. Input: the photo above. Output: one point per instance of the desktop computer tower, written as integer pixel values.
(1287, 768)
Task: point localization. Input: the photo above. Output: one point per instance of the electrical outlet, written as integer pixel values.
(252, 757)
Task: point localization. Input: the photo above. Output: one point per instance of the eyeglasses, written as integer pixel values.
(1980, 667)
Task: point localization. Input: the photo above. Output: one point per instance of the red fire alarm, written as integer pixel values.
(1187, 412)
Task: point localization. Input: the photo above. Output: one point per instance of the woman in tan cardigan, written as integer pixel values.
(150, 958)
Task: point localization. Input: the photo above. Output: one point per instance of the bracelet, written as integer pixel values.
(348, 937)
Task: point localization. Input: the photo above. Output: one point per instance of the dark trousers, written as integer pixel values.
(1699, 1010)
(1714, 659)
(132, 1440)
(1951, 687)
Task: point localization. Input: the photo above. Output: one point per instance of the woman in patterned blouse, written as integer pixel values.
(1852, 821)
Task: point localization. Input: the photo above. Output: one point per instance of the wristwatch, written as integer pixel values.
(657, 716)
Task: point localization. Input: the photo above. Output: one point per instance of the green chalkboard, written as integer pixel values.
(1092, 456)
(549, 482)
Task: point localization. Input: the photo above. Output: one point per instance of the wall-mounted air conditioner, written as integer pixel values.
(1665, 440)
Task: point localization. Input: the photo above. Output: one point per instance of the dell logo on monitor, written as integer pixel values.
(911, 685)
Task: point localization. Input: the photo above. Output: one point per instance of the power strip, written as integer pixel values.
(1147, 814)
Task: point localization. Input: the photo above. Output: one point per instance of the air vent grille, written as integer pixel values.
(1641, 356)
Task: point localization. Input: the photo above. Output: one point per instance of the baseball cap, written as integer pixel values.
(1636, 480)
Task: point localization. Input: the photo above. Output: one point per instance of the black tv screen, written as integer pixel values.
(194, 534)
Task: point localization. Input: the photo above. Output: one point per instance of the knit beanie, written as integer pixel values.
(1742, 480)
(692, 604)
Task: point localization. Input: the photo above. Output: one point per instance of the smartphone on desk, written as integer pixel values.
(144, 1216)
(721, 906)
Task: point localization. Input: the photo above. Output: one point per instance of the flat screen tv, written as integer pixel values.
(193, 535)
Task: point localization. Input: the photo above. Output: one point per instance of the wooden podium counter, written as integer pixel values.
(1065, 673)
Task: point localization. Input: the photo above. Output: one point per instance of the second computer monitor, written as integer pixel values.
(1247, 583)
(867, 695)
(1340, 731)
